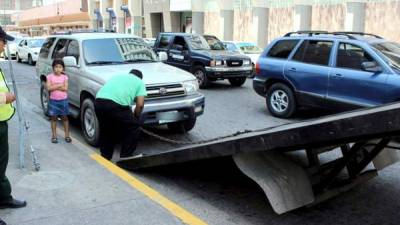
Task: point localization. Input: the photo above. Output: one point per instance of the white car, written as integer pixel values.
(28, 49)
(12, 45)
(149, 41)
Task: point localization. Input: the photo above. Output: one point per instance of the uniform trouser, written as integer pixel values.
(5, 187)
(117, 124)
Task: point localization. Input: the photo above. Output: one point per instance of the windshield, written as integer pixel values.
(249, 48)
(214, 43)
(391, 51)
(35, 43)
(197, 42)
(117, 51)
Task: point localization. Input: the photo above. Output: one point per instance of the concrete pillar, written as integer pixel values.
(106, 16)
(226, 24)
(260, 20)
(120, 16)
(171, 21)
(355, 17)
(92, 15)
(198, 22)
(136, 10)
(302, 17)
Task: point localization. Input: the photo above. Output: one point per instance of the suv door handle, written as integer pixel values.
(338, 75)
(292, 69)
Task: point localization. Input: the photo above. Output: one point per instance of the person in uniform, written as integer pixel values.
(6, 112)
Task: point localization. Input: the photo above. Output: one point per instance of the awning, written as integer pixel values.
(111, 11)
(98, 15)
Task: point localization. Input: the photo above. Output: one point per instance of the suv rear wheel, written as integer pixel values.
(89, 122)
(281, 101)
(200, 73)
(182, 126)
(44, 98)
(237, 81)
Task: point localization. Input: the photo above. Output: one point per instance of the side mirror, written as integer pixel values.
(371, 67)
(163, 56)
(70, 61)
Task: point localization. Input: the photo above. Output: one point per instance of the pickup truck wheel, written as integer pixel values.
(281, 101)
(89, 122)
(200, 73)
(30, 61)
(44, 98)
(18, 58)
(237, 81)
(182, 126)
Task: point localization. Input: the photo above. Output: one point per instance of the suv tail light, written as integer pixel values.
(257, 68)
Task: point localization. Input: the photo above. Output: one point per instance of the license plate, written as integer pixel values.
(168, 117)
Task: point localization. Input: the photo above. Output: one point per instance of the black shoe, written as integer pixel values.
(2, 222)
(13, 203)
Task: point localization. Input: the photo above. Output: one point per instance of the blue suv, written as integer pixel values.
(339, 71)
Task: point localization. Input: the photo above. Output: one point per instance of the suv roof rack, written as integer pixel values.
(358, 33)
(348, 34)
(83, 31)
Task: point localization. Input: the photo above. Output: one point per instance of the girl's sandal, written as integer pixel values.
(54, 140)
(68, 139)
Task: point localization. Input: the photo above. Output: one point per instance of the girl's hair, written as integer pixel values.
(58, 62)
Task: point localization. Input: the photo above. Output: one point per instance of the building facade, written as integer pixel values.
(261, 21)
(9, 8)
(257, 21)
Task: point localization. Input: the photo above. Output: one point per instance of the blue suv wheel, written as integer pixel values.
(281, 101)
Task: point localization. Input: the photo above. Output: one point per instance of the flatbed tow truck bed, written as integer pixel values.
(360, 136)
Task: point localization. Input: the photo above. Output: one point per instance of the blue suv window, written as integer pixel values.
(282, 49)
(314, 52)
(351, 56)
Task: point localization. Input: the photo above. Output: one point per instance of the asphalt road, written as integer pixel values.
(217, 192)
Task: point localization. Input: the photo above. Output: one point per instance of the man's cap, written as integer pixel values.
(5, 36)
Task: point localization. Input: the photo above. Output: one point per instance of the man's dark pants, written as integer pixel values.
(5, 187)
(117, 123)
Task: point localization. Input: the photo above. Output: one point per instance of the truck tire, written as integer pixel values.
(237, 81)
(89, 123)
(281, 101)
(200, 73)
(44, 98)
(182, 126)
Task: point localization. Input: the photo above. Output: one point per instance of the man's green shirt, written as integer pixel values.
(123, 89)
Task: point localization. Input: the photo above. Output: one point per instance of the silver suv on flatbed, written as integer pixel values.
(93, 58)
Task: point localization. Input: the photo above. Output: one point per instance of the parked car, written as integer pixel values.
(192, 53)
(93, 58)
(249, 49)
(150, 41)
(12, 45)
(28, 49)
(339, 71)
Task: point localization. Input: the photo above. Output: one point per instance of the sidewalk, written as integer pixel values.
(71, 187)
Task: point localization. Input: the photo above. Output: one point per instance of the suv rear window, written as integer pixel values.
(314, 52)
(44, 51)
(282, 49)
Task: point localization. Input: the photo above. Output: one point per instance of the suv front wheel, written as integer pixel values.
(44, 98)
(281, 101)
(182, 126)
(89, 122)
